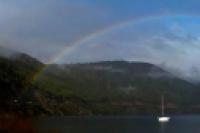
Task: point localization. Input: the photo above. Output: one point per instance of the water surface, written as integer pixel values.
(125, 124)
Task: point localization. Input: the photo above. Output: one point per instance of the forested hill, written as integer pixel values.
(107, 87)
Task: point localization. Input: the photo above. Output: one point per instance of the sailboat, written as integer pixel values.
(163, 118)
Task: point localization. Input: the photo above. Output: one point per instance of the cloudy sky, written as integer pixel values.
(64, 31)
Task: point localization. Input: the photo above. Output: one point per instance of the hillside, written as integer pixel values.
(108, 87)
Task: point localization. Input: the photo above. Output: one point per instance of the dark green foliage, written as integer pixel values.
(118, 87)
(11, 83)
(15, 83)
(107, 88)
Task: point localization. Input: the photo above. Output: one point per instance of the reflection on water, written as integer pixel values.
(15, 123)
(178, 124)
(163, 127)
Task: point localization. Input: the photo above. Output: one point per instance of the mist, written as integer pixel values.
(7, 52)
(42, 29)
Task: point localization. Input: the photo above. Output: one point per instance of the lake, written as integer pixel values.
(125, 124)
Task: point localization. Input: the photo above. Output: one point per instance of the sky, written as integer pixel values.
(67, 31)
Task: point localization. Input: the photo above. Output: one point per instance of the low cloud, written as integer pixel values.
(175, 48)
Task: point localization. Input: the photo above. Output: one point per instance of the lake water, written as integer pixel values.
(127, 124)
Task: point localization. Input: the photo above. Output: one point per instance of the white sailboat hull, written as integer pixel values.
(163, 119)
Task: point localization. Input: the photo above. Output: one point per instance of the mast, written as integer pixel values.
(162, 105)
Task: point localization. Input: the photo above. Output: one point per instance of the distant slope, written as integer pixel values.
(108, 87)
(119, 86)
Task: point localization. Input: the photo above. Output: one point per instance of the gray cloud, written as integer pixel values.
(43, 27)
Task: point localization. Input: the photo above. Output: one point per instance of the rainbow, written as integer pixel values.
(76, 44)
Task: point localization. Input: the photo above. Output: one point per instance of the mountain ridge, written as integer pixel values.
(100, 88)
